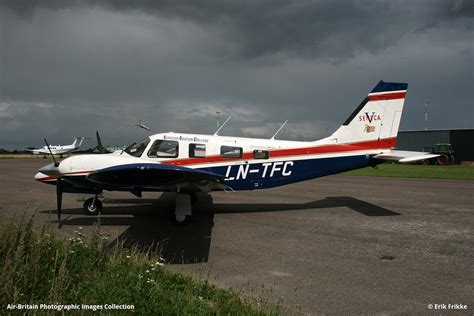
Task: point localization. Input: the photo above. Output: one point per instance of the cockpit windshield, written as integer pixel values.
(136, 149)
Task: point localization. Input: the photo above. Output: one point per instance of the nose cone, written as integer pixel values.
(41, 177)
(49, 170)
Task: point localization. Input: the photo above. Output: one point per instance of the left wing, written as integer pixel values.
(150, 175)
(404, 156)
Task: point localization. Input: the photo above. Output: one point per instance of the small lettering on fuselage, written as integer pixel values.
(186, 138)
(265, 170)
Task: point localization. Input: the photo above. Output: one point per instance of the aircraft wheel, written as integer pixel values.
(442, 160)
(182, 221)
(92, 206)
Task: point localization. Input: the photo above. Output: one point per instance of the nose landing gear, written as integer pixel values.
(92, 206)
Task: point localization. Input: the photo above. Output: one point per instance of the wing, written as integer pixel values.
(151, 176)
(404, 156)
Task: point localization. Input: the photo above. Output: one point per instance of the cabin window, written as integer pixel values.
(164, 149)
(260, 154)
(231, 152)
(137, 149)
(197, 150)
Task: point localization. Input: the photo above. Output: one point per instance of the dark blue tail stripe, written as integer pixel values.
(383, 86)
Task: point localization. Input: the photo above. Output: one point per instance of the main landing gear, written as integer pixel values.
(183, 208)
(182, 213)
(92, 206)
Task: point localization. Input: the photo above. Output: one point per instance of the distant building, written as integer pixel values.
(462, 141)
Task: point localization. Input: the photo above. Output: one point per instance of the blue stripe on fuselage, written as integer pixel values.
(273, 174)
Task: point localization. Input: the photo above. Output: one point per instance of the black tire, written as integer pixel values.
(194, 198)
(92, 206)
(185, 222)
(442, 160)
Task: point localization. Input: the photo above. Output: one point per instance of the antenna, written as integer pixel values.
(218, 113)
(426, 114)
(223, 124)
(282, 125)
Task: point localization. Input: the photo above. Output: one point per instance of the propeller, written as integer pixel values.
(99, 143)
(56, 164)
(59, 186)
(59, 198)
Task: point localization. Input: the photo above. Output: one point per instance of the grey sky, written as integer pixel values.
(69, 69)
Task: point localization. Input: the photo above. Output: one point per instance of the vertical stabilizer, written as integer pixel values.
(377, 117)
(77, 142)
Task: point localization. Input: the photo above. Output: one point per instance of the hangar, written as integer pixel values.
(461, 140)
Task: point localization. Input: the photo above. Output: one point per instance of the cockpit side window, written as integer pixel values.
(164, 149)
(137, 149)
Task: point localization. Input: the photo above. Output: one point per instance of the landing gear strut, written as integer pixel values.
(183, 210)
(92, 206)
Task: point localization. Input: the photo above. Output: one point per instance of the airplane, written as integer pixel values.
(105, 149)
(191, 163)
(58, 149)
(141, 125)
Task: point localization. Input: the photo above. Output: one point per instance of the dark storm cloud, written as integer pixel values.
(332, 29)
(70, 67)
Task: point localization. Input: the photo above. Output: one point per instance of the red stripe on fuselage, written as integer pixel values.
(387, 96)
(322, 149)
(47, 178)
(77, 172)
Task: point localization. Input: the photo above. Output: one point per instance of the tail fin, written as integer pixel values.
(377, 118)
(76, 139)
(99, 147)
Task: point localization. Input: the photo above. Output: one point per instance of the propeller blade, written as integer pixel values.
(99, 143)
(56, 164)
(59, 197)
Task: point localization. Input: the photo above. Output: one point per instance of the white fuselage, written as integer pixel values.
(282, 155)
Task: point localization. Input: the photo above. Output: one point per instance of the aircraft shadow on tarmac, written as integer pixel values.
(152, 230)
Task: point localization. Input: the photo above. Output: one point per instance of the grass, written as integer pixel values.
(40, 268)
(457, 172)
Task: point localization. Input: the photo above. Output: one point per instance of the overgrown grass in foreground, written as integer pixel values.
(458, 172)
(38, 268)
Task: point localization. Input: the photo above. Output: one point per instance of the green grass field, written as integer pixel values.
(39, 268)
(457, 172)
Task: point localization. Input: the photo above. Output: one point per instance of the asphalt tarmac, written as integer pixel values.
(334, 245)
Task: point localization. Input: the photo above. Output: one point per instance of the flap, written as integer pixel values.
(404, 156)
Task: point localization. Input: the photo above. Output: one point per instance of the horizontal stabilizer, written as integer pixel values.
(404, 156)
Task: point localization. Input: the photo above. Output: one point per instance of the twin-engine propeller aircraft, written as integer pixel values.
(191, 163)
(59, 149)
